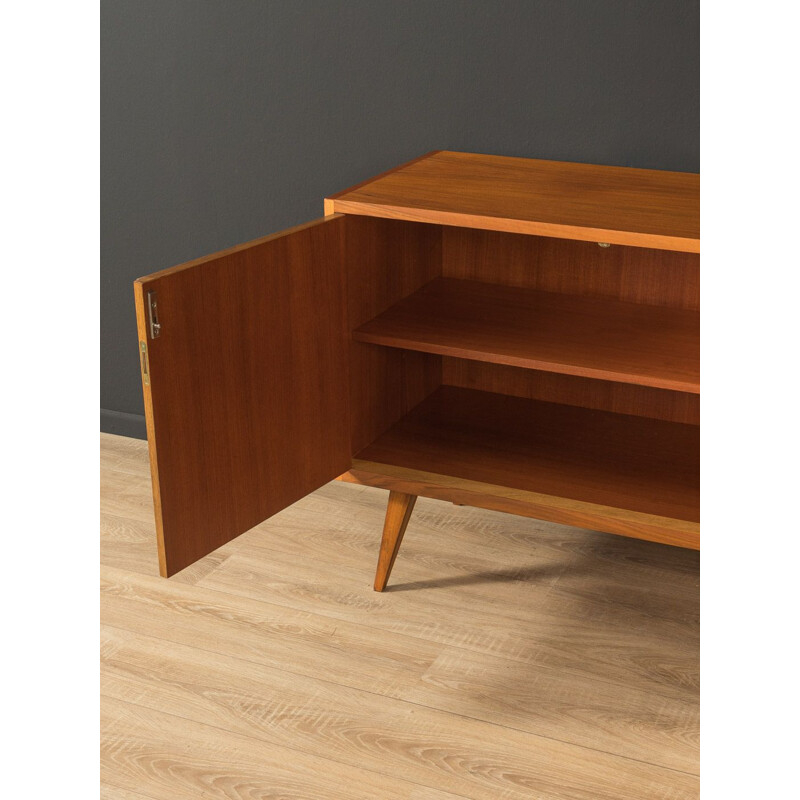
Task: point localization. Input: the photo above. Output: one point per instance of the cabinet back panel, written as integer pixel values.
(385, 261)
(633, 274)
(621, 398)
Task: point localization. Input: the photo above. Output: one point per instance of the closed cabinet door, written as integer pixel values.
(244, 369)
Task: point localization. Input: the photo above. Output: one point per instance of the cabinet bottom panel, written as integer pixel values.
(617, 473)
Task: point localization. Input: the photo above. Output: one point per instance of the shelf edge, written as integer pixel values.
(689, 387)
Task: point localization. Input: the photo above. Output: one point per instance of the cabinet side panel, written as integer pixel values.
(385, 261)
(632, 274)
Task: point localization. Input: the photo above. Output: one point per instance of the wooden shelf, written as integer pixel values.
(569, 334)
(618, 205)
(598, 462)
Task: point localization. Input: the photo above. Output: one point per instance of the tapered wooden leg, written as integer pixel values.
(398, 513)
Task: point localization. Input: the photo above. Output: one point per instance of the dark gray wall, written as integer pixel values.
(225, 120)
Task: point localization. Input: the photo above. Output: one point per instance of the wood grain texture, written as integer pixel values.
(328, 203)
(373, 738)
(561, 667)
(618, 205)
(398, 513)
(537, 505)
(385, 261)
(629, 274)
(109, 792)
(273, 603)
(632, 274)
(247, 403)
(625, 462)
(569, 334)
(305, 706)
(547, 586)
(180, 759)
(573, 655)
(127, 525)
(621, 398)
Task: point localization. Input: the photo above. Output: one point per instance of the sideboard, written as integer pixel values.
(515, 334)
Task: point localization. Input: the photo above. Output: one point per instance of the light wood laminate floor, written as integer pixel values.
(509, 658)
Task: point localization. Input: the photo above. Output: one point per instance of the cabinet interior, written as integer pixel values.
(541, 364)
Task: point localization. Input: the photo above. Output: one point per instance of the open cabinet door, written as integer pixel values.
(244, 368)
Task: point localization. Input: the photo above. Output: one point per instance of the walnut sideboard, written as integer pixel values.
(508, 333)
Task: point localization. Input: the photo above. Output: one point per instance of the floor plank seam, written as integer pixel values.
(285, 746)
(578, 648)
(416, 705)
(331, 616)
(326, 615)
(104, 781)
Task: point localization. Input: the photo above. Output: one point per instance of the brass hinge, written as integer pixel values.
(145, 363)
(152, 314)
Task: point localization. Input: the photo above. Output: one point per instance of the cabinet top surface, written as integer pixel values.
(618, 205)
